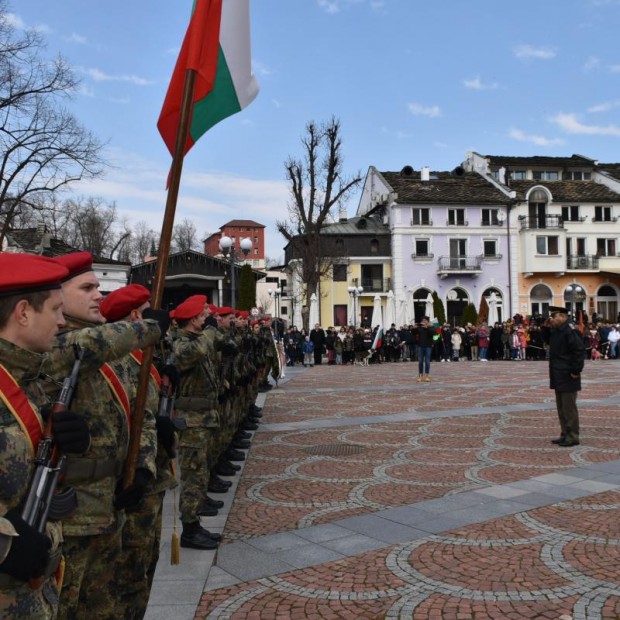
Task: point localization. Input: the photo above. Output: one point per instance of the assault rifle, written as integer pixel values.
(42, 502)
(166, 398)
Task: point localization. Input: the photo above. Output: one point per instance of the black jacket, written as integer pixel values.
(566, 357)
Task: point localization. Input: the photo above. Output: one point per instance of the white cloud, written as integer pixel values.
(15, 21)
(529, 51)
(521, 136)
(570, 124)
(137, 185)
(101, 76)
(335, 6)
(477, 84)
(78, 39)
(591, 63)
(614, 68)
(604, 107)
(417, 109)
(261, 68)
(276, 103)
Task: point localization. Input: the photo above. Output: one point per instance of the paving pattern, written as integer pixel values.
(445, 500)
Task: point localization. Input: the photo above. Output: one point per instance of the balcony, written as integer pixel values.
(463, 265)
(376, 285)
(457, 222)
(582, 262)
(540, 222)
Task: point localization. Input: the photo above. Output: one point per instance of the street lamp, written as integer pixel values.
(354, 293)
(276, 296)
(229, 251)
(574, 294)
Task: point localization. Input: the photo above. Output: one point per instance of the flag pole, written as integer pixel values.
(159, 280)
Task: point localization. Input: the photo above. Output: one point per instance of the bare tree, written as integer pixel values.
(43, 148)
(184, 237)
(91, 225)
(317, 186)
(143, 241)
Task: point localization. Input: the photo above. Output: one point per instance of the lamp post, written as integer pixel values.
(574, 295)
(229, 251)
(354, 293)
(275, 295)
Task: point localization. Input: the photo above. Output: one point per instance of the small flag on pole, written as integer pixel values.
(217, 47)
(378, 341)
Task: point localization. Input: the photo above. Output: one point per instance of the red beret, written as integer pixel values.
(28, 273)
(243, 314)
(224, 310)
(211, 308)
(76, 262)
(190, 308)
(119, 303)
(194, 297)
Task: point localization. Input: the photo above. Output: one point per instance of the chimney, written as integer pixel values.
(342, 214)
(425, 174)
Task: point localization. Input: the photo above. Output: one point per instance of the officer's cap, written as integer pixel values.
(190, 308)
(558, 310)
(28, 273)
(76, 262)
(119, 303)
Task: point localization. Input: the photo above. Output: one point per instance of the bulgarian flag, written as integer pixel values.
(217, 47)
(378, 341)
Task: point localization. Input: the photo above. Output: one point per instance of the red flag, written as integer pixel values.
(199, 52)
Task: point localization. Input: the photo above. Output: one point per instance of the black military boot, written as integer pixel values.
(214, 503)
(204, 510)
(226, 463)
(225, 469)
(249, 426)
(240, 444)
(217, 485)
(194, 536)
(234, 455)
(243, 435)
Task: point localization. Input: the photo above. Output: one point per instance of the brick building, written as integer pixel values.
(237, 230)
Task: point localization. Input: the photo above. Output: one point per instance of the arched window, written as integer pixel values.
(607, 303)
(374, 246)
(457, 301)
(540, 299)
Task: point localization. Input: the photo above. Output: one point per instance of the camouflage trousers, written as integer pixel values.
(195, 446)
(136, 564)
(18, 601)
(90, 583)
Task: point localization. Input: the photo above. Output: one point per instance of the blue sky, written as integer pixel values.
(412, 82)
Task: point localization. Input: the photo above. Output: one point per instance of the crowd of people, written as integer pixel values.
(521, 338)
(80, 509)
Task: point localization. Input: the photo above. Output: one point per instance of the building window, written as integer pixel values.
(602, 214)
(489, 217)
(490, 248)
(570, 214)
(421, 217)
(255, 250)
(605, 247)
(340, 273)
(422, 247)
(456, 217)
(518, 175)
(547, 245)
(545, 175)
(372, 278)
(255, 239)
(374, 246)
(576, 175)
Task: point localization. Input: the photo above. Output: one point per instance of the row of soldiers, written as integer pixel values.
(78, 538)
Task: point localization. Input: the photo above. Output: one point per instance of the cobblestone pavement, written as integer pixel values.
(368, 495)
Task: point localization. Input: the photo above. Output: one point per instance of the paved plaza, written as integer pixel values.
(368, 495)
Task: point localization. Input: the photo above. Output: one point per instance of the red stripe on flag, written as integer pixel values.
(199, 52)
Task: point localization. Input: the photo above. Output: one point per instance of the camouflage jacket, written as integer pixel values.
(95, 474)
(127, 370)
(199, 387)
(16, 456)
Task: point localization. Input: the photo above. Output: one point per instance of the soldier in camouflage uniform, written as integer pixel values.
(93, 531)
(142, 530)
(30, 316)
(196, 403)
